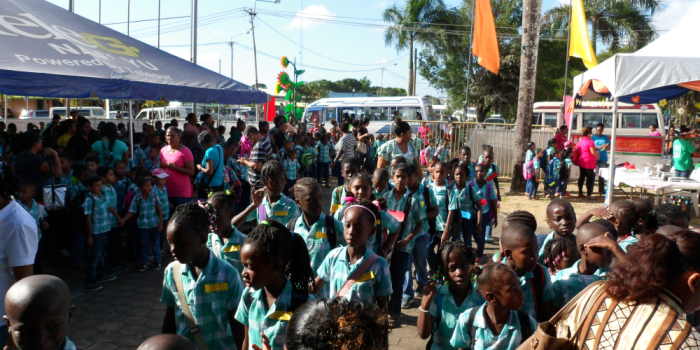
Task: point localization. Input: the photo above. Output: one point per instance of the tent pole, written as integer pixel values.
(611, 169)
(131, 131)
(469, 54)
(5, 104)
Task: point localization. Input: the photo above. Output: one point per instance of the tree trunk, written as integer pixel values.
(409, 91)
(415, 70)
(526, 92)
(594, 32)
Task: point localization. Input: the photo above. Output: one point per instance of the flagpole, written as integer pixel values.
(469, 63)
(566, 64)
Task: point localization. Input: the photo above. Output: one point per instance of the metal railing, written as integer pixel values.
(475, 135)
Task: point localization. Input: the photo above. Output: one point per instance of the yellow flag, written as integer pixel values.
(580, 45)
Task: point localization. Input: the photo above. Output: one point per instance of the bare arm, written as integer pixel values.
(450, 218)
(381, 162)
(237, 329)
(22, 271)
(187, 170)
(209, 169)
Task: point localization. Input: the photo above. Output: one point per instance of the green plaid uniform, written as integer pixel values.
(284, 210)
(547, 291)
(481, 193)
(549, 237)
(336, 199)
(257, 319)
(442, 201)
(34, 212)
(443, 153)
(449, 314)
(568, 283)
(75, 190)
(163, 201)
(146, 209)
(324, 155)
(69, 345)
(509, 339)
(211, 296)
(419, 196)
(429, 153)
(490, 171)
(415, 215)
(375, 282)
(386, 190)
(536, 165)
(461, 200)
(109, 194)
(427, 181)
(386, 221)
(100, 214)
(391, 149)
(318, 247)
(291, 167)
(627, 242)
(549, 152)
(231, 251)
(529, 155)
(138, 156)
(122, 187)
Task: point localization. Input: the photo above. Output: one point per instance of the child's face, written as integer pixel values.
(147, 188)
(401, 179)
(276, 183)
(561, 219)
(120, 169)
(465, 155)
(540, 153)
(184, 244)
(393, 163)
(153, 153)
(488, 158)
(571, 257)
(377, 182)
(439, 172)
(480, 172)
(506, 290)
(361, 189)
(66, 166)
(311, 201)
(292, 155)
(349, 170)
(91, 167)
(458, 269)
(96, 188)
(600, 257)
(258, 271)
(358, 227)
(109, 178)
(44, 329)
(160, 182)
(524, 255)
(26, 193)
(532, 146)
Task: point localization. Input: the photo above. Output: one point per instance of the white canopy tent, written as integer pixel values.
(667, 68)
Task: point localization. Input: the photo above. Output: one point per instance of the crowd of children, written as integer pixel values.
(352, 269)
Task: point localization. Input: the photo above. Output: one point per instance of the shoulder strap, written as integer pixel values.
(537, 285)
(426, 194)
(291, 223)
(194, 329)
(330, 231)
(352, 279)
(299, 297)
(216, 247)
(472, 327)
(525, 327)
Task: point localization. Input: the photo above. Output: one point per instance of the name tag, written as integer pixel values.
(321, 234)
(281, 315)
(378, 222)
(422, 204)
(467, 215)
(233, 248)
(219, 287)
(335, 207)
(281, 213)
(366, 277)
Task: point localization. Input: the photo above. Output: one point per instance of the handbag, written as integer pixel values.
(203, 189)
(545, 337)
(361, 147)
(54, 196)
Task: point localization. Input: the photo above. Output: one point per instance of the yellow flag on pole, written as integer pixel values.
(580, 44)
(485, 42)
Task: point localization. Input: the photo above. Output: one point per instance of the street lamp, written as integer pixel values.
(231, 44)
(383, 68)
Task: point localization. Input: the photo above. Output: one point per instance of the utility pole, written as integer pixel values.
(194, 43)
(231, 44)
(470, 58)
(382, 90)
(71, 6)
(255, 52)
(128, 22)
(301, 41)
(526, 91)
(99, 11)
(158, 24)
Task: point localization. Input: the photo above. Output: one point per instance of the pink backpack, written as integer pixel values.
(528, 170)
(423, 158)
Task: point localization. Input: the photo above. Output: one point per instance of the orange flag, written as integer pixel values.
(485, 44)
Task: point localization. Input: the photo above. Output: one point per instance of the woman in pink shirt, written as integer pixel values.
(653, 131)
(587, 159)
(178, 162)
(424, 130)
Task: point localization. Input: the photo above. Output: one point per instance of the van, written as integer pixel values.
(87, 112)
(162, 113)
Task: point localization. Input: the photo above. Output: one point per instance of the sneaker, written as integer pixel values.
(419, 295)
(479, 261)
(107, 278)
(93, 288)
(406, 303)
(156, 267)
(142, 268)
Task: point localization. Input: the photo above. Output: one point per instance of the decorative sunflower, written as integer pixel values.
(284, 61)
(278, 88)
(283, 80)
(663, 103)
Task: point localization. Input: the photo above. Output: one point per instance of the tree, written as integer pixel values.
(408, 26)
(319, 89)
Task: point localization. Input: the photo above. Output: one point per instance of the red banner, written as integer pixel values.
(635, 144)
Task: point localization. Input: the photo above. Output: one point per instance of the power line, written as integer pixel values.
(145, 20)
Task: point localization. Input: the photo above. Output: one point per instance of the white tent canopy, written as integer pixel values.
(667, 68)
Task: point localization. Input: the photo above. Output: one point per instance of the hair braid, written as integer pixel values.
(269, 169)
(522, 217)
(302, 185)
(192, 217)
(443, 254)
(554, 251)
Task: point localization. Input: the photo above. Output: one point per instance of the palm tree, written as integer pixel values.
(624, 25)
(408, 26)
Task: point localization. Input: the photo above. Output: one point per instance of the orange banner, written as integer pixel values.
(635, 144)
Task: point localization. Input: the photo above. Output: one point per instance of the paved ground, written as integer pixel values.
(127, 311)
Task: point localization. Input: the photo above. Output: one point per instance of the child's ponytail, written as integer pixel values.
(298, 269)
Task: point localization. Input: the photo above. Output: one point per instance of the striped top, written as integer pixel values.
(656, 324)
(347, 143)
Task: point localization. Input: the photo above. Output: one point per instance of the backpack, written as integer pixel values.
(528, 170)
(127, 204)
(491, 214)
(576, 156)
(423, 158)
(432, 229)
(306, 160)
(330, 227)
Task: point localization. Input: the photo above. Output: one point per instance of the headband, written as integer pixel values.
(365, 208)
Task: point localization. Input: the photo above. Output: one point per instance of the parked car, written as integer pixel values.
(495, 120)
(28, 114)
(87, 112)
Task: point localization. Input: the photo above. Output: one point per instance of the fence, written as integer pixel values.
(475, 135)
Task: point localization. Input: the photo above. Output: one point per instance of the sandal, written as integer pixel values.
(393, 321)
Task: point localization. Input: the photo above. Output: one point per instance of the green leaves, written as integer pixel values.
(288, 97)
(299, 112)
(299, 72)
(289, 108)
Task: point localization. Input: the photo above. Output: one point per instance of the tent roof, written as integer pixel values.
(654, 72)
(51, 52)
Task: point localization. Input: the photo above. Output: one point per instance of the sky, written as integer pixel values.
(353, 48)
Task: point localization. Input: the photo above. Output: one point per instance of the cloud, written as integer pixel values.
(218, 32)
(313, 11)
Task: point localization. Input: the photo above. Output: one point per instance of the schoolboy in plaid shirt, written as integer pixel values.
(109, 193)
(161, 192)
(325, 151)
(149, 222)
(97, 212)
(212, 287)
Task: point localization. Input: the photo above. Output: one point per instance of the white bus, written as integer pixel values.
(380, 110)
